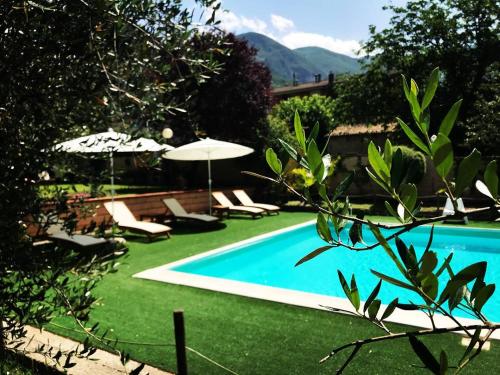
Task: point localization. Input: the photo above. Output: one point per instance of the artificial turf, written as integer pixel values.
(246, 335)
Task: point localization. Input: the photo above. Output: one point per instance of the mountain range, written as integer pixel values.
(305, 62)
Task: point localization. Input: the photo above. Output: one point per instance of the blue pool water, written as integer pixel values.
(270, 262)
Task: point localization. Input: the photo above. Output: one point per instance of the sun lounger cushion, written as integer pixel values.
(180, 213)
(144, 226)
(247, 201)
(224, 201)
(125, 219)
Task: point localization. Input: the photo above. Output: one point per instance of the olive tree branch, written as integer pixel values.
(403, 228)
(425, 332)
(481, 343)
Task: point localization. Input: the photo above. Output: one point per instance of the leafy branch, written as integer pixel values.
(465, 290)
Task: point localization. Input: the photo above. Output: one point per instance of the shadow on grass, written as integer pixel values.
(178, 229)
(183, 228)
(141, 238)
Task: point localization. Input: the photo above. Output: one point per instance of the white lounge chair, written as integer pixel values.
(247, 201)
(448, 209)
(127, 221)
(179, 213)
(224, 202)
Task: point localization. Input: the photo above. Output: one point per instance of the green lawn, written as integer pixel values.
(246, 335)
(47, 191)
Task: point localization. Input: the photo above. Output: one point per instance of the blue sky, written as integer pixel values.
(338, 25)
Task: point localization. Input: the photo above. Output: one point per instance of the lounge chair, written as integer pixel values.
(448, 210)
(82, 242)
(179, 213)
(247, 201)
(224, 202)
(127, 221)
(79, 241)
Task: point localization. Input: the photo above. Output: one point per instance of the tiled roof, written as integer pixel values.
(299, 88)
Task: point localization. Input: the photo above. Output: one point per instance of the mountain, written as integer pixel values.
(281, 61)
(305, 62)
(328, 61)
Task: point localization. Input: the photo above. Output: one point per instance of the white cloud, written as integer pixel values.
(234, 23)
(237, 24)
(254, 24)
(301, 39)
(281, 23)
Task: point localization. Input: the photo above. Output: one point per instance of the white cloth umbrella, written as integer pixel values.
(143, 145)
(208, 149)
(110, 142)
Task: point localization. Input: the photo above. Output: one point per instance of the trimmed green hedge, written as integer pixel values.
(414, 163)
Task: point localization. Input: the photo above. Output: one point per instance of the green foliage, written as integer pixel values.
(483, 126)
(458, 36)
(233, 104)
(413, 164)
(299, 179)
(278, 129)
(273, 161)
(394, 169)
(312, 109)
(70, 68)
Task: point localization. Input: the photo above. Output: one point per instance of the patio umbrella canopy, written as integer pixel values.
(110, 142)
(208, 149)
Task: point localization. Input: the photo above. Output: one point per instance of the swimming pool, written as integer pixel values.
(269, 261)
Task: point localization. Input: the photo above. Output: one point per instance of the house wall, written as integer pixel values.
(354, 144)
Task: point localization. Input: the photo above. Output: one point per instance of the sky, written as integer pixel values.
(337, 25)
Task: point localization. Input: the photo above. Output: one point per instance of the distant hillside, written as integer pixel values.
(304, 62)
(281, 61)
(328, 61)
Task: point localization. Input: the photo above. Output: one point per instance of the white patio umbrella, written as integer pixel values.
(208, 149)
(110, 142)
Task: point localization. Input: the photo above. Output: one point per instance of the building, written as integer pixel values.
(349, 140)
(319, 86)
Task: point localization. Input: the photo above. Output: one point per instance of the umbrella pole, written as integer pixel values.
(209, 187)
(112, 167)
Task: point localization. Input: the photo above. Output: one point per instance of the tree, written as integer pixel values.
(313, 109)
(459, 36)
(231, 105)
(483, 126)
(69, 67)
(465, 289)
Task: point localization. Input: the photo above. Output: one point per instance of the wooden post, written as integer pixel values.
(180, 342)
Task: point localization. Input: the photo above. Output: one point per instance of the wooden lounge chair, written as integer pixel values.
(221, 198)
(179, 213)
(247, 201)
(126, 221)
(448, 210)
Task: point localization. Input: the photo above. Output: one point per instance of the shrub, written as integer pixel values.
(279, 129)
(300, 178)
(312, 109)
(413, 163)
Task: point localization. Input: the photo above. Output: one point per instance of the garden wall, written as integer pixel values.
(146, 204)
